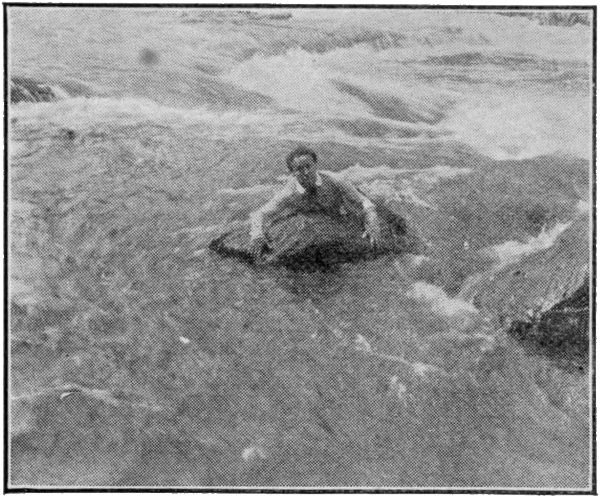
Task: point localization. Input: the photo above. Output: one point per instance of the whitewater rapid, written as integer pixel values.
(391, 80)
(171, 125)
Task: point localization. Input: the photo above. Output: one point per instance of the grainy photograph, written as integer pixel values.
(307, 248)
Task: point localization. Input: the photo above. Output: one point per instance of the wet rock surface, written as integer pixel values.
(561, 333)
(544, 298)
(318, 241)
(29, 90)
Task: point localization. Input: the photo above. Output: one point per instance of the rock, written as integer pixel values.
(317, 240)
(29, 90)
(562, 332)
(543, 299)
(537, 282)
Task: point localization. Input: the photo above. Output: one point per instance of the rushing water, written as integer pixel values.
(203, 371)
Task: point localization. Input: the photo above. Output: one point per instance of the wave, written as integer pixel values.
(512, 251)
(87, 114)
(391, 106)
(323, 42)
(408, 33)
(439, 301)
(376, 182)
(430, 175)
(407, 186)
(190, 90)
(300, 81)
(511, 60)
(382, 30)
(262, 37)
(370, 128)
(403, 185)
(554, 18)
(249, 190)
(507, 125)
(360, 95)
(358, 174)
(317, 32)
(295, 81)
(29, 90)
(534, 276)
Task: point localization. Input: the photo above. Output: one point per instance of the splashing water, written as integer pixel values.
(512, 251)
(474, 126)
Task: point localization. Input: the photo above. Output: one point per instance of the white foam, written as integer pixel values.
(83, 113)
(297, 80)
(512, 251)
(507, 125)
(583, 207)
(391, 190)
(376, 181)
(358, 173)
(437, 173)
(59, 92)
(383, 181)
(512, 34)
(439, 301)
(17, 148)
(249, 190)
(417, 260)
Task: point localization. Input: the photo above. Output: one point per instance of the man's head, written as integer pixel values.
(302, 163)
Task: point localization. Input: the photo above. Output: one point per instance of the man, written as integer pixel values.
(310, 191)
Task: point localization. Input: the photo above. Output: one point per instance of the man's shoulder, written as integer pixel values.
(336, 180)
(347, 189)
(331, 177)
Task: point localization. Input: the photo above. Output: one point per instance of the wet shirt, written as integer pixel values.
(332, 197)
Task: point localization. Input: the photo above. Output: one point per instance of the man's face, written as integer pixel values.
(304, 169)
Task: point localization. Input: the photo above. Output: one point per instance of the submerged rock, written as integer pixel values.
(317, 240)
(544, 297)
(561, 333)
(29, 90)
(538, 281)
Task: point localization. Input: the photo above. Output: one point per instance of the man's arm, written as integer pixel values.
(257, 217)
(371, 219)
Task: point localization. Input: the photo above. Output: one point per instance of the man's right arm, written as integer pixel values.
(257, 217)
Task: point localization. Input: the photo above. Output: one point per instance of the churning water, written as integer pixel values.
(192, 370)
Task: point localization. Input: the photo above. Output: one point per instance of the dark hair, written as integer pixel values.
(299, 152)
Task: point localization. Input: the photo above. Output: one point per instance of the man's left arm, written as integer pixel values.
(370, 219)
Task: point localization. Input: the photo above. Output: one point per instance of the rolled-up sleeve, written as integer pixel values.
(257, 217)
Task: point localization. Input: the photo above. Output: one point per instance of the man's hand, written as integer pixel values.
(257, 246)
(373, 230)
